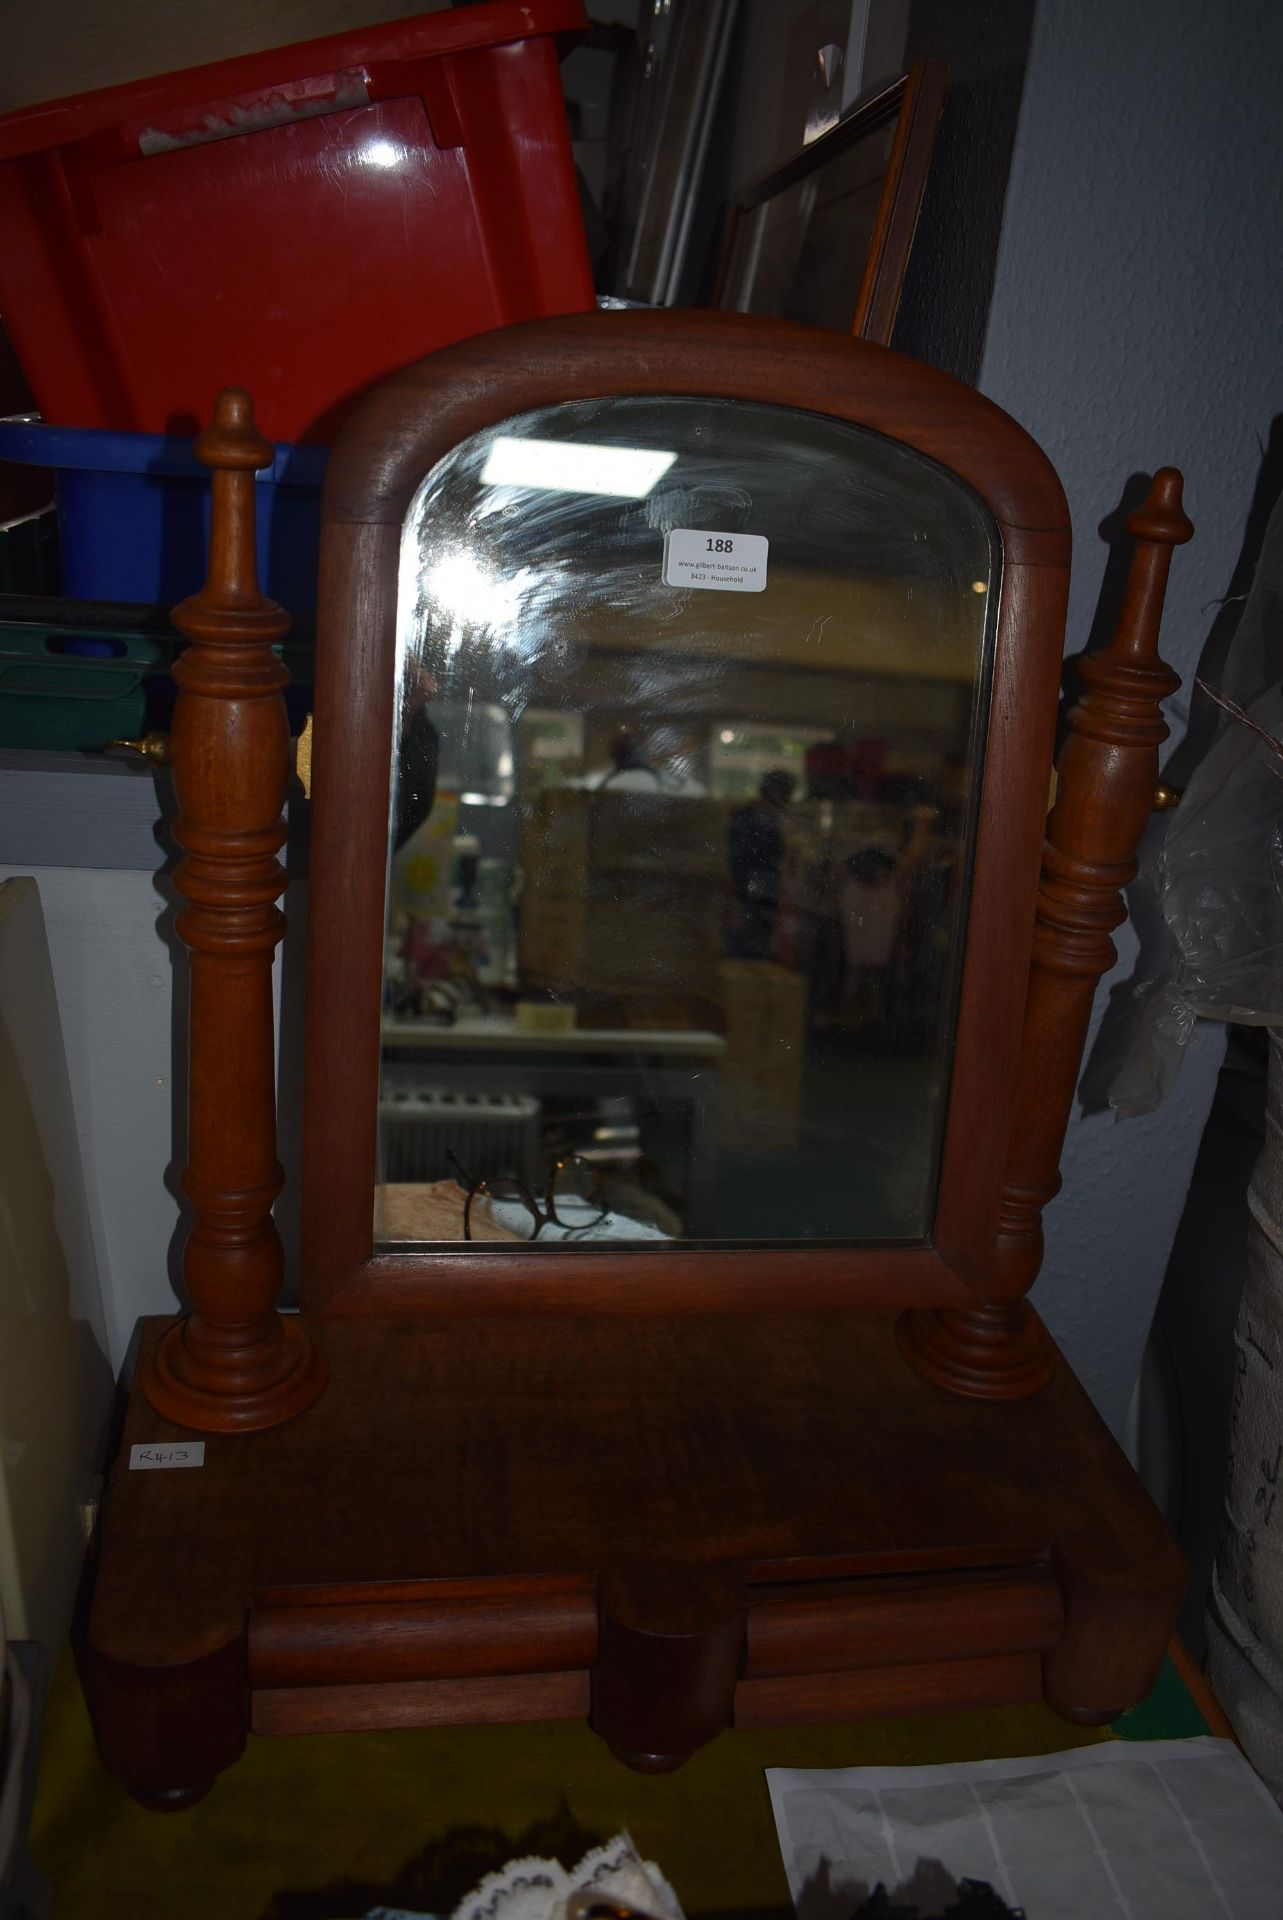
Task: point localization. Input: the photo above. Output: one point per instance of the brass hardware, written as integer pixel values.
(303, 758)
(153, 747)
(1165, 797)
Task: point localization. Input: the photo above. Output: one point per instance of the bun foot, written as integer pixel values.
(670, 1649)
(1086, 1716)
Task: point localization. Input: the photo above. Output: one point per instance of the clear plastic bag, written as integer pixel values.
(1219, 880)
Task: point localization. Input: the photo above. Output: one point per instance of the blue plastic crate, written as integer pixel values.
(133, 514)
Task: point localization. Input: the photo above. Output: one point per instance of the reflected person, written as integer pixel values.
(755, 846)
(871, 907)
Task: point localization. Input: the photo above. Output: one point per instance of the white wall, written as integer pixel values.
(111, 947)
(113, 976)
(1135, 323)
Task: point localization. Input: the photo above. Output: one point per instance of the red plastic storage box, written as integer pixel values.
(298, 222)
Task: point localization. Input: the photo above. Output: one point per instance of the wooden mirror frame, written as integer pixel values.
(410, 423)
(448, 1516)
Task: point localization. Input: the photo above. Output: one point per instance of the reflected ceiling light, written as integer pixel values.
(466, 591)
(728, 734)
(571, 466)
(380, 153)
(979, 586)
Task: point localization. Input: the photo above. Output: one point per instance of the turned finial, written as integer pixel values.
(1160, 516)
(1157, 525)
(231, 439)
(233, 449)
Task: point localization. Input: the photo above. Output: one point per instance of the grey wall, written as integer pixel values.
(1134, 322)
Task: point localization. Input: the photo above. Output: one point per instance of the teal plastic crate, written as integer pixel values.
(74, 689)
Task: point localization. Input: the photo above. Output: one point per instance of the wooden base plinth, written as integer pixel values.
(197, 1383)
(671, 1525)
(984, 1353)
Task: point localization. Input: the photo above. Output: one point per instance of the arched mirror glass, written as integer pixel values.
(691, 704)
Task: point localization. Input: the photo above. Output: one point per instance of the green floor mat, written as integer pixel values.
(324, 1827)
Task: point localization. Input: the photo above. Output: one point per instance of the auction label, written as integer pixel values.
(719, 562)
(169, 1453)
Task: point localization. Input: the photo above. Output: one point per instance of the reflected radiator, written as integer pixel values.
(488, 1133)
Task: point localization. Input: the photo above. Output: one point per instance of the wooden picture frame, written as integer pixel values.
(907, 113)
(394, 440)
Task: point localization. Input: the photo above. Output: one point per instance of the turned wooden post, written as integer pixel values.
(1108, 776)
(233, 1364)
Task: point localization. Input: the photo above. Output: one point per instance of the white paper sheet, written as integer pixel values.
(1130, 1830)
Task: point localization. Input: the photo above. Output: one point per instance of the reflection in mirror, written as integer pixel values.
(691, 703)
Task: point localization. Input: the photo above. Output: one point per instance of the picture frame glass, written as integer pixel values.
(801, 253)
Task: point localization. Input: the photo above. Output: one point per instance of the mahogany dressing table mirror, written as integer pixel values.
(664, 1354)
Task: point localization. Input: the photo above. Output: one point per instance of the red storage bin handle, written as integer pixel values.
(404, 59)
(171, 106)
(230, 119)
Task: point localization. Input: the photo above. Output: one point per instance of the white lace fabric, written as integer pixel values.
(534, 1889)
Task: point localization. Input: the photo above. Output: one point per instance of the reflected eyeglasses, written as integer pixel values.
(570, 1179)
